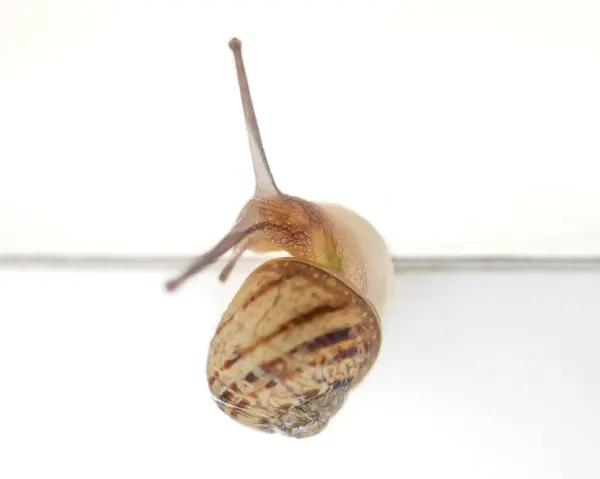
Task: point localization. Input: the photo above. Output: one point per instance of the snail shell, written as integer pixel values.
(295, 337)
(303, 330)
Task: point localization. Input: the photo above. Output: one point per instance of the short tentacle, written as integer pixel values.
(237, 253)
(232, 239)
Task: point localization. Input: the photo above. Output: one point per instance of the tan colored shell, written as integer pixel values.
(294, 339)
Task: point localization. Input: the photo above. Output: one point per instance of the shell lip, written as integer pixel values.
(338, 276)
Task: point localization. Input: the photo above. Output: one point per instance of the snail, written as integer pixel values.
(303, 329)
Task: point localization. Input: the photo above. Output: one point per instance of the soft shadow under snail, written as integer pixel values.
(304, 329)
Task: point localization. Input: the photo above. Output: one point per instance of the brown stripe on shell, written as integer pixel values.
(346, 353)
(261, 291)
(328, 339)
(318, 345)
(230, 362)
(299, 320)
(273, 365)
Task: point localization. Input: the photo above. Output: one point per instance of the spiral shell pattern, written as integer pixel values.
(295, 338)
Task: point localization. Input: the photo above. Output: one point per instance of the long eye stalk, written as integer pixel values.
(265, 184)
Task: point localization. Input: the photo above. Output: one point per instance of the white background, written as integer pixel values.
(464, 127)
(481, 376)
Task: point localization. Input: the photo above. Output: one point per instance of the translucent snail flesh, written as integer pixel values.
(304, 329)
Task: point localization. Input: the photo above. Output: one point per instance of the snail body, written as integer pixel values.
(304, 329)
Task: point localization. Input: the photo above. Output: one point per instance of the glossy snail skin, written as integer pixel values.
(376, 271)
(304, 329)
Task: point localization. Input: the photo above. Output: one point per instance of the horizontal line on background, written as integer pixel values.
(416, 263)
